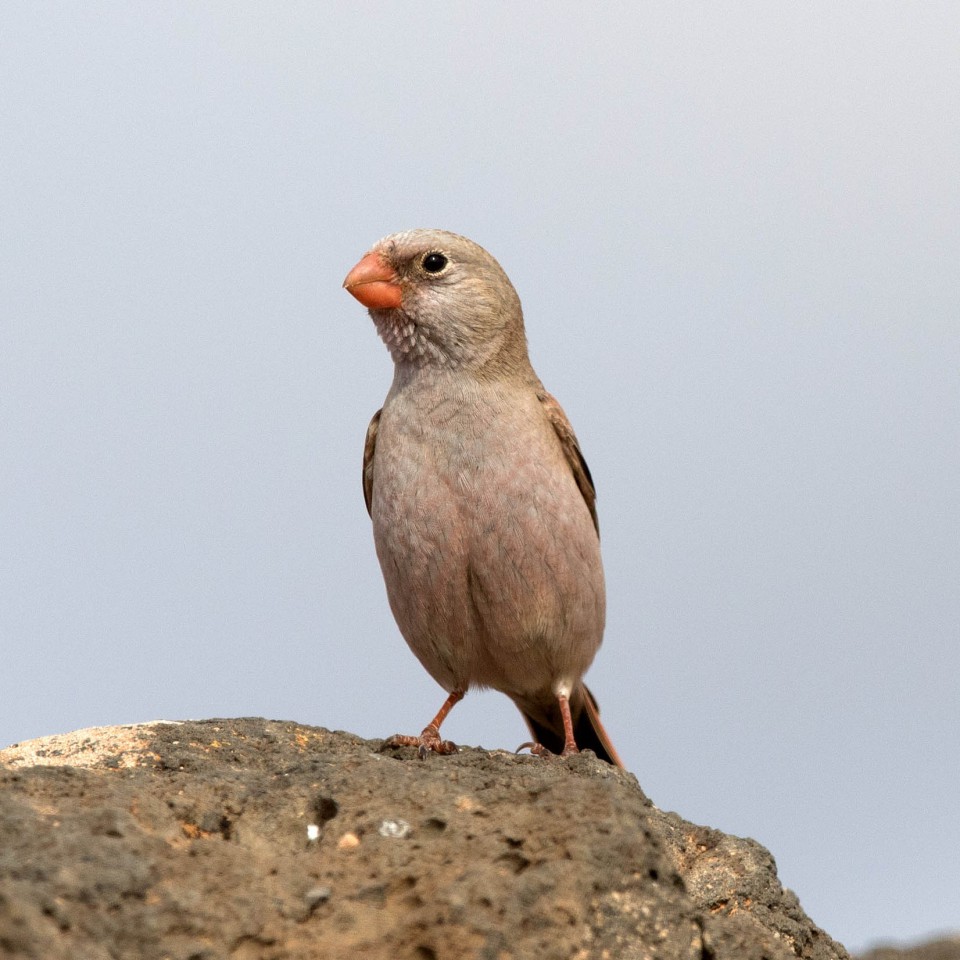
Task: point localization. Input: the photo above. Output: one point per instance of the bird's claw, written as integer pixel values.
(428, 742)
(539, 750)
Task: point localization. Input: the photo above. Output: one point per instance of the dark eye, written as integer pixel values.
(434, 262)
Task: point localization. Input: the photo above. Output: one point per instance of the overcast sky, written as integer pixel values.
(735, 228)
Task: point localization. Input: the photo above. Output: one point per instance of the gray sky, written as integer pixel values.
(736, 232)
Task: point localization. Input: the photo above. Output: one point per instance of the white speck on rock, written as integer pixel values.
(395, 829)
(317, 895)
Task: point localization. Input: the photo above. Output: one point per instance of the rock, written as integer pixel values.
(261, 840)
(942, 948)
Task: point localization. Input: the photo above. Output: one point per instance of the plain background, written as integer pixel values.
(735, 228)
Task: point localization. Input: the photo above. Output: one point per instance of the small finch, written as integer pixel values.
(483, 507)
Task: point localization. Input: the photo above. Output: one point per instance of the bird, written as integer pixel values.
(482, 504)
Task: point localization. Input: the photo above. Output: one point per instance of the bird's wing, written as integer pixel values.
(369, 446)
(571, 450)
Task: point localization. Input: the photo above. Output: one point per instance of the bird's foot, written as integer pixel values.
(428, 742)
(539, 750)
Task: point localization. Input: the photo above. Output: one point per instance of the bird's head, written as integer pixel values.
(439, 299)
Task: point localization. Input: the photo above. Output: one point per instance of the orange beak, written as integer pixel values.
(374, 283)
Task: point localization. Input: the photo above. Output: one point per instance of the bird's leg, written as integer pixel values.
(430, 740)
(569, 743)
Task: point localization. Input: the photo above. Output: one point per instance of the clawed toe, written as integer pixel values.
(428, 742)
(539, 750)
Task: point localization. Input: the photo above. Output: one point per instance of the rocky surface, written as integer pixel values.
(262, 840)
(942, 948)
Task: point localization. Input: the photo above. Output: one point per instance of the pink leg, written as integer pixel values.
(429, 740)
(569, 743)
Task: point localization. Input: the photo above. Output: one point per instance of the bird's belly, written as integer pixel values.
(490, 558)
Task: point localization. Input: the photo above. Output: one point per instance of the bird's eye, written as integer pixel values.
(434, 262)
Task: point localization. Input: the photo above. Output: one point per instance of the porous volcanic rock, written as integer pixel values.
(940, 948)
(253, 839)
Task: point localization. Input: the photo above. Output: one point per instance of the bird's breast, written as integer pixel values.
(492, 458)
(487, 547)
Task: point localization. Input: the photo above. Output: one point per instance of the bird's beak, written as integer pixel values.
(374, 283)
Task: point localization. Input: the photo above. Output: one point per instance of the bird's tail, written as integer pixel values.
(588, 731)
